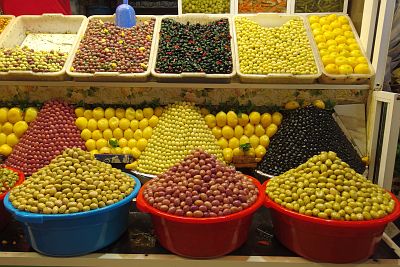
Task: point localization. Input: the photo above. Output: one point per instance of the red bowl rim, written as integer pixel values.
(19, 182)
(269, 203)
(145, 207)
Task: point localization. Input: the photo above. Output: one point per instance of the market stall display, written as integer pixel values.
(262, 6)
(14, 123)
(341, 56)
(53, 131)
(305, 132)
(184, 54)
(80, 203)
(274, 48)
(335, 214)
(202, 198)
(109, 53)
(40, 46)
(117, 130)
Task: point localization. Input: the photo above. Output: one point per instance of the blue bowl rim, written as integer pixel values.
(41, 218)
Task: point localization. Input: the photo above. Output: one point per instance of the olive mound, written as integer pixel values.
(72, 182)
(326, 187)
(8, 179)
(201, 186)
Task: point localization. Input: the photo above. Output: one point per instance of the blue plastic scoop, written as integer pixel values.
(125, 15)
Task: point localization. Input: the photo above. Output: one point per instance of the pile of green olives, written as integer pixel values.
(326, 187)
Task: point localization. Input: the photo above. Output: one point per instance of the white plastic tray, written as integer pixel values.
(15, 34)
(342, 78)
(276, 20)
(114, 76)
(195, 76)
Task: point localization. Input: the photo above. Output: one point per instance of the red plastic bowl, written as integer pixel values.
(4, 215)
(201, 237)
(328, 240)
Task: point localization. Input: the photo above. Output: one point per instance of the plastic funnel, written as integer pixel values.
(125, 15)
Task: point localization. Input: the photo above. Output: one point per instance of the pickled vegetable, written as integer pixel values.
(262, 6)
(8, 179)
(315, 6)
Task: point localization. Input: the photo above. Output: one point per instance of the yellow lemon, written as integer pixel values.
(96, 135)
(244, 140)
(313, 19)
(324, 21)
(221, 119)
(102, 124)
(337, 32)
(323, 52)
(12, 139)
(124, 124)
(3, 138)
(139, 114)
(120, 113)
(271, 130)
(228, 154)
(341, 60)
(88, 114)
(98, 113)
(118, 133)
(345, 69)
(234, 142)
(353, 47)
(143, 123)
(113, 123)
(7, 128)
(227, 132)
(319, 104)
(315, 26)
(90, 144)
(148, 112)
(320, 39)
(334, 54)
(254, 141)
(238, 131)
(147, 132)
(327, 28)
(356, 53)
(266, 119)
(352, 61)
(328, 59)
(14, 115)
(243, 119)
(217, 132)
(5, 150)
(259, 130)
(351, 41)
(331, 42)
(79, 112)
(232, 119)
(101, 143)
(138, 134)
(94, 152)
(136, 152)
(158, 111)
(3, 115)
(223, 143)
(92, 125)
(20, 128)
(348, 34)
(340, 39)
(260, 151)
(333, 48)
(329, 36)
(336, 24)
(362, 69)
(81, 123)
(153, 121)
(346, 27)
(249, 130)
(128, 134)
(331, 17)
(317, 31)
(264, 140)
(361, 60)
(105, 150)
(132, 143)
(277, 118)
(210, 121)
(130, 113)
(107, 134)
(116, 150)
(141, 144)
(126, 150)
(342, 47)
(134, 125)
(31, 114)
(122, 142)
(255, 117)
(292, 105)
(250, 152)
(109, 113)
(343, 20)
(332, 69)
(86, 134)
(238, 152)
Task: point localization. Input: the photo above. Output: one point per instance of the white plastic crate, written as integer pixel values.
(276, 20)
(114, 76)
(16, 35)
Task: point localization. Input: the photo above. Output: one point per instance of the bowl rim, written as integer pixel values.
(21, 179)
(145, 207)
(40, 218)
(269, 203)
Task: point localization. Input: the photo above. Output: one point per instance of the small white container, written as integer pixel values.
(15, 34)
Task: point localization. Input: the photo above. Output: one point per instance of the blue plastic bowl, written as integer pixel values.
(75, 234)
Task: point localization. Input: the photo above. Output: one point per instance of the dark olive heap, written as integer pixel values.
(304, 133)
(8, 179)
(25, 59)
(326, 187)
(194, 47)
(109, 48)
(201, 186)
